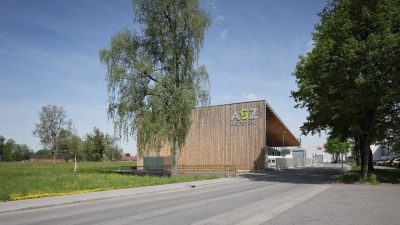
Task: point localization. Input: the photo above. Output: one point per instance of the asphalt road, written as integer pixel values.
(281, 197)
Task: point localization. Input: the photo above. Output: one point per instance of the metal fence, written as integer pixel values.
(165, 170)
(145, 170)
(293, 163)
(218, 170)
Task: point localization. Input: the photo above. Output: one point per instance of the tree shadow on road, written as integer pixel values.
(309, 175)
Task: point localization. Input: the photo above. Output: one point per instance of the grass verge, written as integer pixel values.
(377, 176)
(34, 180)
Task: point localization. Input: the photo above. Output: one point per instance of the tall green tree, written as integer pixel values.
(21, 152)
(52, 121)
(333, 146)
(350, 81)
(95, 145)
(75, 147)
(2, 146)
(43, 152)
(99, 146)
(113, 151)
(70, 143)
(154, 80)
(9, 148)
(11, 151)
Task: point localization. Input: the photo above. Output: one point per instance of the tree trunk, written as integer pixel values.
(54, 155)
(101, 152)
(75, 165)
(365, 154)
(175, 159)
(370, 161)
(357, 150)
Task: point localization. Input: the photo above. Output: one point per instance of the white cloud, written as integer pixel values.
(219, 18)
(223, 35)
(213, 5)
(249, 96)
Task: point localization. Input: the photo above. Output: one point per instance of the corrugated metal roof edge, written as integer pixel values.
(235, 103)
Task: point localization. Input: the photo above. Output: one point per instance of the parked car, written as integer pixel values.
(379, 163)
(395, 162)
(388, 162)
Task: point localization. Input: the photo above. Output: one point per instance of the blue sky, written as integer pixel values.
(49, 55)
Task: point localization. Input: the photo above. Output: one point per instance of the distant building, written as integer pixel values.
(45, 158)
(237, 134)
(128, 157)
(380, 152)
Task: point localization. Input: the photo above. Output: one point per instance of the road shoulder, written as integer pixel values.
(20, 205)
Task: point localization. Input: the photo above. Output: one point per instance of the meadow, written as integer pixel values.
(24, 180)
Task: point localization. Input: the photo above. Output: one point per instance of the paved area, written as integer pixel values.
(13, 206)
(386, 168)
(347, 204)
(303, 196)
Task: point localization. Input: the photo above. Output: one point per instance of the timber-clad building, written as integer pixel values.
(235, 134)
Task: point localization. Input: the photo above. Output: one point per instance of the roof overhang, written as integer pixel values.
(278, 135)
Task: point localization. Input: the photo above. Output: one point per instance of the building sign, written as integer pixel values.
(319, 151)
(244, 117)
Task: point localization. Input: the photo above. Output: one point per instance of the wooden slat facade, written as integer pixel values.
(215, 138)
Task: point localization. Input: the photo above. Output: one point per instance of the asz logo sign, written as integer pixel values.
(245, 117)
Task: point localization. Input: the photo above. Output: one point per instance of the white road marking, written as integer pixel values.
(264, 210)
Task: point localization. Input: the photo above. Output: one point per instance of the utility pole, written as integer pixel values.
(300, 141)
(283, 139)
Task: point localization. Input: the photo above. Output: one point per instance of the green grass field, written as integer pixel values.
(33, 180)
(377, 176)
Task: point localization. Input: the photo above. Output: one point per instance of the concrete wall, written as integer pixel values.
(156, 163)
(284, 163)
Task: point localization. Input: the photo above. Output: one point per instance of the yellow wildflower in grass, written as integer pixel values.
(19, 196)
(35, 180)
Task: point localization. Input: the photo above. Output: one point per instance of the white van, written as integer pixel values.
(270, 161)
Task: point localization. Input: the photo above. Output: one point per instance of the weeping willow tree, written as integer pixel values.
(153, 77)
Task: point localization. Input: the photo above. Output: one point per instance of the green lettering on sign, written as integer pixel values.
(244, 114)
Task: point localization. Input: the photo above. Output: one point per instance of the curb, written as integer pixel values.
(47, 202)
